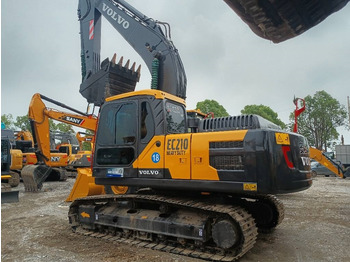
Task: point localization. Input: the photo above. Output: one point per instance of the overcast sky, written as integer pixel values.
(224, 60)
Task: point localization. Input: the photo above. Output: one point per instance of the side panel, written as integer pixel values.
(178, 155)
(58, 159)
(150, 163)
(201, 169)
(16, 159)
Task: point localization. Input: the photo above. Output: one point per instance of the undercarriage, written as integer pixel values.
(215, 228)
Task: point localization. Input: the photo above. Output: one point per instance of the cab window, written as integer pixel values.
(117, 134)
(147, 123)
(175, 117)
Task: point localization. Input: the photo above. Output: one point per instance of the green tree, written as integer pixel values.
(62, 127)
(265, 112)
(318, 123)
(212, 106)
(7, 120)
(22, 123)
(87, 146)
(65, 128)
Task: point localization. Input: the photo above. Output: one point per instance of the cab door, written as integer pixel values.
(150, 159)
(177, 142)
(116, 144)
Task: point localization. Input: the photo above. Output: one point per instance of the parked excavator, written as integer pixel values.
(202, 193)
(25, 143)
(87, 139)
(336, 168)
(315, 153)
(10, 159)
(50, 165)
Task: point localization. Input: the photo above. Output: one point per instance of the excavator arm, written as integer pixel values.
(334, 167)
(39, 116)
(144, 34)
(49, 164)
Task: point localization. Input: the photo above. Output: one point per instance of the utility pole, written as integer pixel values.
(349, 110)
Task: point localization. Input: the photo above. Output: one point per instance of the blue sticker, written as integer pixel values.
(155, 157)
(115, 172)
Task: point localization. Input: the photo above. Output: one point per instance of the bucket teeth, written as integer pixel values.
(113, 78)
(33, 176)
(133, 67)
(127, 64)
(114, 58)
(138, 71)
(120, 63)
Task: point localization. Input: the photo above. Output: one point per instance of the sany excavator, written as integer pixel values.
(203, 193)
(50, 164)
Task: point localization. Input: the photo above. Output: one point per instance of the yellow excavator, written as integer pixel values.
(315, 153)
(50, 165)
(11, 159)
(203, 193)
(336, 168)
(24, 142)
(205, 186)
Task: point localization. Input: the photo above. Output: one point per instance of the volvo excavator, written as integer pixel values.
(50, 165)
(203, 193)
(204, 186)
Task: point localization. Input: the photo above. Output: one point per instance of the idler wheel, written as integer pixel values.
(225, 234)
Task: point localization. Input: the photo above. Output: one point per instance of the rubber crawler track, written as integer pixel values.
(238, 214)
(276, 206)
(279, 208)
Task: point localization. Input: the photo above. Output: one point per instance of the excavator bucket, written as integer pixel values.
(33, 176)
(84, 185)
(112, 79)
(10, 196)
(7, 194)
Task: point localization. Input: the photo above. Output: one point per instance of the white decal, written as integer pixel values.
(306, 161)
(116, 17)
(149, 172)
(73, 120)
(55, 159)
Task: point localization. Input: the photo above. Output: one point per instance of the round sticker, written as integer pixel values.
(155, 157)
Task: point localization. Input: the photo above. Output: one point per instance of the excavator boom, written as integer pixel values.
(150, 39)
(331, 165)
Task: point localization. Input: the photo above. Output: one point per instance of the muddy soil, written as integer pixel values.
(316, 228)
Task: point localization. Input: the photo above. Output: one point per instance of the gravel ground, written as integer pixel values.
(316, 228)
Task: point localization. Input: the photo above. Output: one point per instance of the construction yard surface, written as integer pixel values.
(316, 228)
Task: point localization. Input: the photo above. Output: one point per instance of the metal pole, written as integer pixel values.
(349, 110)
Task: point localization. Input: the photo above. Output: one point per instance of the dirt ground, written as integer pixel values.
(316, 228)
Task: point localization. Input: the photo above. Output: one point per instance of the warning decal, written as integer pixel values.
(282, 139)
(250, 187)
